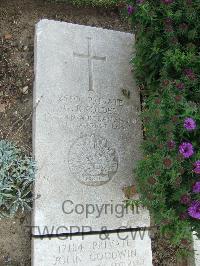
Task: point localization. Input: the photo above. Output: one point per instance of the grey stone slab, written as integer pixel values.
(87, 133)
(124, 249)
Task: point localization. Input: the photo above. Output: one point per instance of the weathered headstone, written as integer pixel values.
(123, 249)
(196, 250)
(87, 132)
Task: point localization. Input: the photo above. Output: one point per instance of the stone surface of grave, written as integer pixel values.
(196, 250)
(123, 249)
(87, 131)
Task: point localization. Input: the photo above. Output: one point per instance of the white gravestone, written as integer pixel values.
(87, 134)
(196, 250)
(123, 249)
(86, 140)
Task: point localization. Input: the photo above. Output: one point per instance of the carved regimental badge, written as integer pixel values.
(92, 160)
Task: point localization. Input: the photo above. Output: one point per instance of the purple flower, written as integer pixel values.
(140, 1)
(168, 25)
(197, 163)
(183, 26)
(178, 98)
(183, 216)
(189, 73)
(168, 28)
(197, 167)
(194, 209)
(168, 21)
(180, 86)
(165, 82)
(171, 144)
(167, 163)
(130, 9)
(190, 124)
(185, 199)
(197, 170)
(196, 187)
(186, 149)
(167, 2)
(174, 40)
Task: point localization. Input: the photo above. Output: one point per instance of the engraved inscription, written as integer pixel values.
(92, 160)
(90, 59)
(97, 113)
(98, 253)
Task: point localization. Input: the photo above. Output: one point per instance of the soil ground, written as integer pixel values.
(17, 21)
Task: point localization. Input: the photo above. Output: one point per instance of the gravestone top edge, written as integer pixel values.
(45, 22)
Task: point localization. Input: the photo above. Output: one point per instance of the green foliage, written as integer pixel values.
(16, 180)
(167, 66)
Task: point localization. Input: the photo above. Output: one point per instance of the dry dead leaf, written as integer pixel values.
(129, 192)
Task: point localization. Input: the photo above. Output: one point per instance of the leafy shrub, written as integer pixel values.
(16, 179)
(167, 67)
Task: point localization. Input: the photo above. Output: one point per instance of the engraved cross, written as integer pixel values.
(90, 58)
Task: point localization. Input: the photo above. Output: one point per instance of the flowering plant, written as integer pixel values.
(167, 68)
